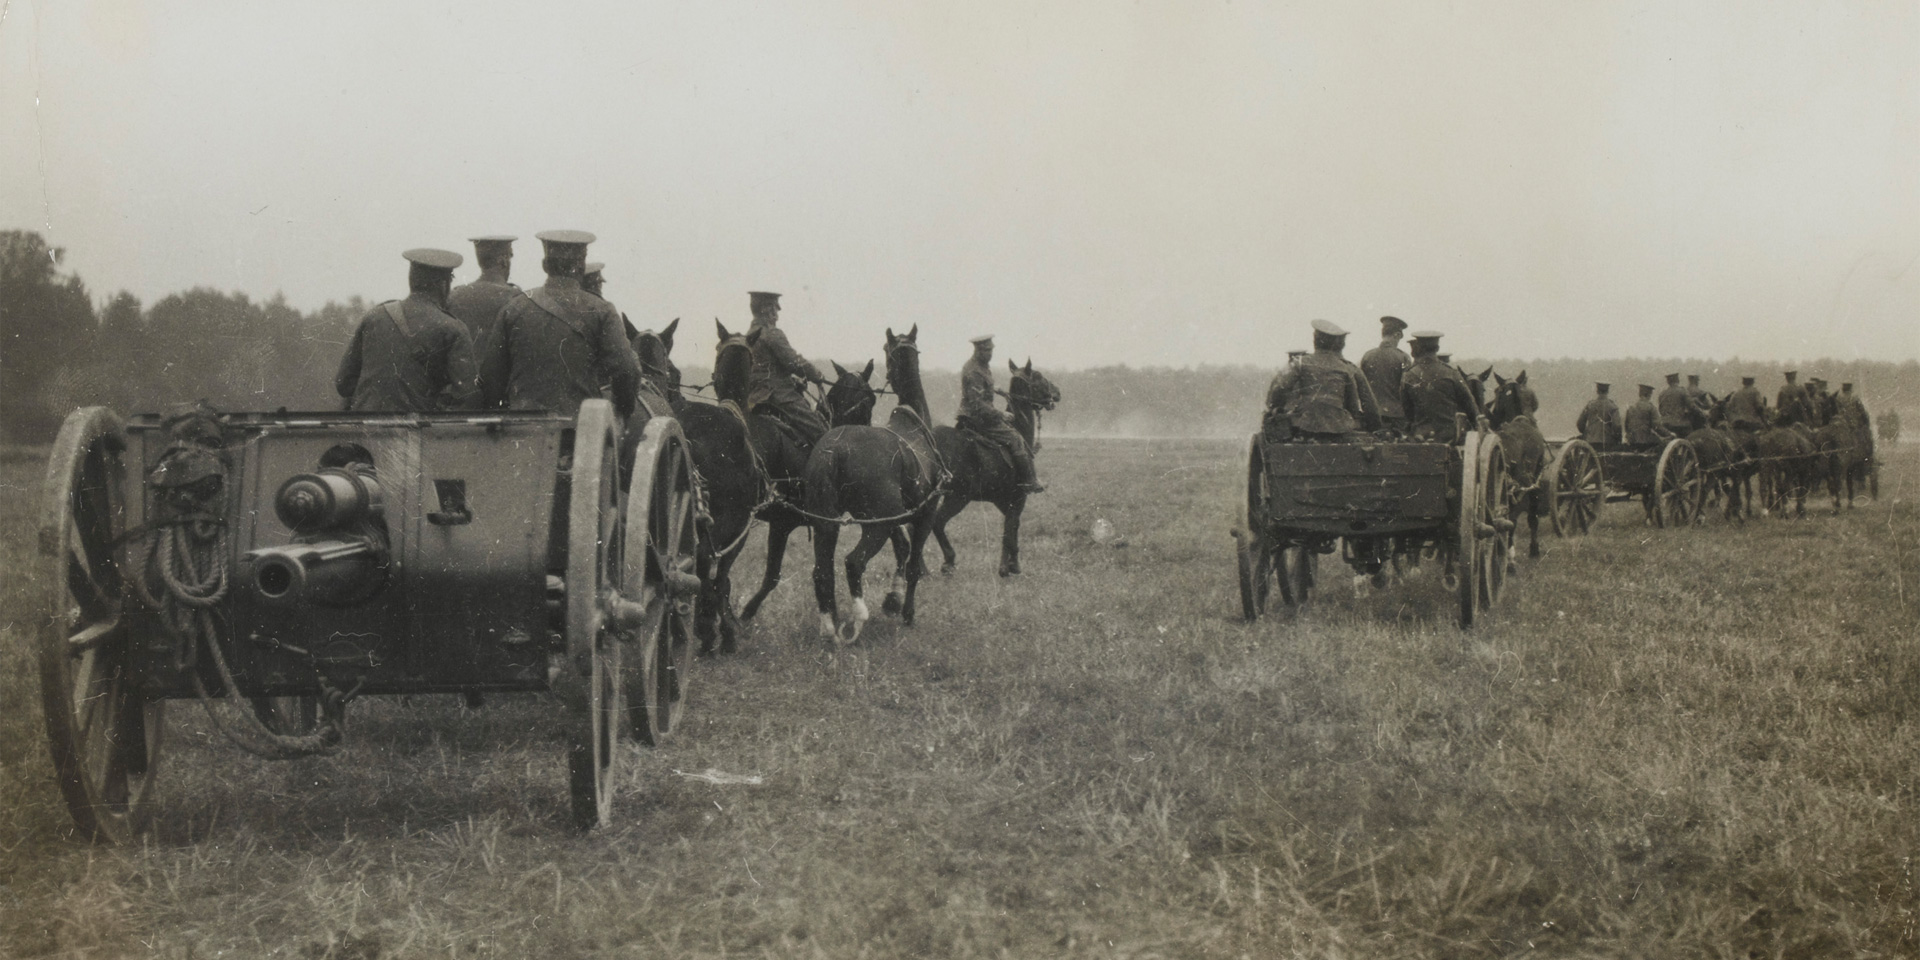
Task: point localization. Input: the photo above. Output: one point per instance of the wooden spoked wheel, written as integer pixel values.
(590, 681)
(1468, 543)
(1496, 493)
(1254, 549)
(661, 575)
(104, 735)
(1576, 486)
(1678, 485)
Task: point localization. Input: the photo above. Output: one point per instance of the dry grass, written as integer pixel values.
(1693, 743)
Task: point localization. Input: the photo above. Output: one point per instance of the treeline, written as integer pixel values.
(58, 351)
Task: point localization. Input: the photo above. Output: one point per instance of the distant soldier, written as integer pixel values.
(1792, 401)
(1848, 410)
(1323, 398)
(978, 414)
(1432, 392)
(1820, 403)
(479, 303)
(1698, 397)
(1642, 421)
(1746, 408)
(556, 344)
(1384, 365)
(411, 354)
(779, 372)
(594, 279)
(1599, 422)
(1675, 407)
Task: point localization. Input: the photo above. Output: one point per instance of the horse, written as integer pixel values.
(1847, 459)
(1786, 454)
(750, 466)
(1723, 460)
(882, 478)
(1526, 455)
(983, 472)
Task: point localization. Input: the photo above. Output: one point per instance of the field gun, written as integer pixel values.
(280, 565)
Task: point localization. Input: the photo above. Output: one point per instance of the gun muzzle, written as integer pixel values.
(328, 572)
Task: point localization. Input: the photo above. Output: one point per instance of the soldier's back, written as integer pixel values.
(478, 305)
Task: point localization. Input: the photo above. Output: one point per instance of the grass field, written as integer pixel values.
(1664, 743)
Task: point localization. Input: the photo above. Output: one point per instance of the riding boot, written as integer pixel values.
(1023, 470)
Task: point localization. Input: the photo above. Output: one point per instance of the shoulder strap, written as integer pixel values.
(399, 318)
(545, 301)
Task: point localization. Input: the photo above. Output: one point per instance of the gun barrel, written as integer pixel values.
(331, 572)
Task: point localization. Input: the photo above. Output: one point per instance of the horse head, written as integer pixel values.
(850, 400)
(656, 365)
(732, 364)
(1031, 387)
(903, 370)
(1477, 385)
(1509, 399)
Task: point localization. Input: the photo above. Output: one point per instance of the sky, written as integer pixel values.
(1150, 183)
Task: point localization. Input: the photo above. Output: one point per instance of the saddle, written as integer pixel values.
(986, 446)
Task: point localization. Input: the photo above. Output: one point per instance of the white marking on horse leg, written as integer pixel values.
(1361, 586)
(826, 625)
(860, 614)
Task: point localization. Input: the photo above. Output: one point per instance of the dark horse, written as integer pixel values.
(881, 478)
(1723, 456)
(1526, 454)
(749, 464)
(983, 472)
(1788, 456)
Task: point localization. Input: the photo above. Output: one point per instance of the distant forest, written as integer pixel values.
(59, 349)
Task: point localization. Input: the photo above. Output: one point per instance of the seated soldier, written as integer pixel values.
(1433, 392)
(1599, 422)
(1322, 398)
(1746, 408)
(1676, 407)
(1642, 422)
(977, 413)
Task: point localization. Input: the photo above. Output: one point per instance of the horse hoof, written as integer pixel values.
(848, 633)
(1014, 569)
(947, 568)
(891, 605)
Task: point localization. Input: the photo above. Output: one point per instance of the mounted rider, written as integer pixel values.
(1792, 402)
(411, 354)
(1747, 408)
(978, 414)
(779, 373)
(478, 304)
(1433, 392)
(555, 346)
(1323, 398)
(1599, 422)
(1384, 366)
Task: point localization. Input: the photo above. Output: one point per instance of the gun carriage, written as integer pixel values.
(1667, 479)
(1380, 503)
(302, 560)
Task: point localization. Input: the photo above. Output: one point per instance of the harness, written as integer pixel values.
(545, 301)
(396, 313)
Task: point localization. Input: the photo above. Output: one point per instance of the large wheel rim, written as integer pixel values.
(662, 577)
(1253, 548)
(103, 734)
(590, 682)
(1575, 489)
(1677, 484)
(1465, 551)
(1490, 553)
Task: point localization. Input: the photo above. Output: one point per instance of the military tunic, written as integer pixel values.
(1747, 409)
(1323, 395)
(478, 305)
(1599, 422)
(1642, 424)
(554, 356)
(977, 412)
(1676, 410)
(1793, 404)
(778, 371)
(422, 362)
(1384, 367)
(1431, 393)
